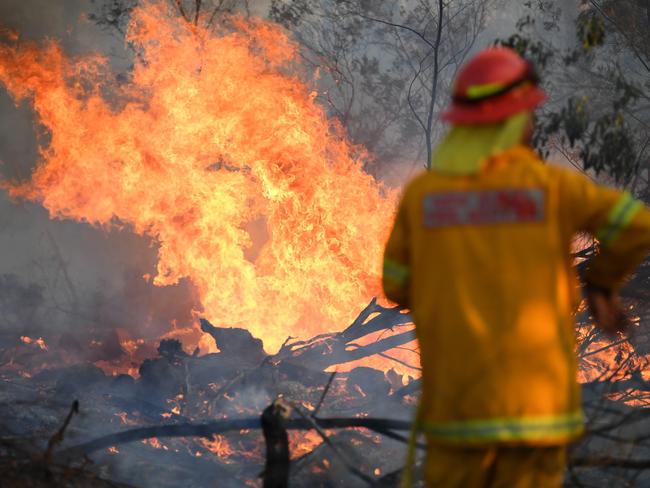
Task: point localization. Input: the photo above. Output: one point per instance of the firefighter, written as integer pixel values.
(480, 253)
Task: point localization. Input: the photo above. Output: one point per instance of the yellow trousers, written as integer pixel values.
(495, 467)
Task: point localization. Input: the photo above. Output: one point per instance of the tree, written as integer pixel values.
(606, 127)
(114, 14)
(384, 67)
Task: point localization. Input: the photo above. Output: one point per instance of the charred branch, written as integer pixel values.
(208, 430)
(327, 350)
(276, 471)
(58, 436)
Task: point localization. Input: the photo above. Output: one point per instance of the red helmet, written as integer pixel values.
(494, 85)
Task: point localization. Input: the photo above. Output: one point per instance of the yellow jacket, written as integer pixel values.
(484, 263)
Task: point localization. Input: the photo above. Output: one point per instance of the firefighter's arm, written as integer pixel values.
(396, 275)
(621, 226)
(624, 241)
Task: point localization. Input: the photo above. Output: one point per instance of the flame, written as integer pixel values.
(137, 350)
(219, 154)
(614, 360)
(604, 361)
(228, 451)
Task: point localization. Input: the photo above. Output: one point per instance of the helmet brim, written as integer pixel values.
(497, 109)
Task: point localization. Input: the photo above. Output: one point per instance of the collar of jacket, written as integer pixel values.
(466, 149)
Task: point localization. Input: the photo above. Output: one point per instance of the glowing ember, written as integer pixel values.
(220, 446)
(40, 342)
(303, 442)
(231, 450)
(223, 158)
(131, 345)
(155, 443)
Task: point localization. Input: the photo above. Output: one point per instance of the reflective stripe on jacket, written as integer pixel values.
(484, 263)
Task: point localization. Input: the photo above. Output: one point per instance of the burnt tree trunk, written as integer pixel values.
(276, 471)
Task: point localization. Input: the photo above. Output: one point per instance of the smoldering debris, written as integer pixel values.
(190, 419)
(176, 389)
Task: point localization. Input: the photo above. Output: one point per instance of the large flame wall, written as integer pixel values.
(211, 139)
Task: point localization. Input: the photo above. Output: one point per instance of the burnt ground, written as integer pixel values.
(194, 421)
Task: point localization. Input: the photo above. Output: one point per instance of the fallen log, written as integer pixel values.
(326, 350)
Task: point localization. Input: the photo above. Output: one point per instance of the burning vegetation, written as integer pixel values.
(215, 149)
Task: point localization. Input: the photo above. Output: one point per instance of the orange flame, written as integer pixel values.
(227, 451)
(220, 446)
(220, 155)
(303, 442)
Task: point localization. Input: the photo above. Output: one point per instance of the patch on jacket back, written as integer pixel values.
(483, 207)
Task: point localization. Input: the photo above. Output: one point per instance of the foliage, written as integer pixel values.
(599, 109)
(113, 14)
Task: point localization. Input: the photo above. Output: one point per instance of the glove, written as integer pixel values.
(606, 309)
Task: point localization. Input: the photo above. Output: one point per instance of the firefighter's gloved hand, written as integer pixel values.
(606, 309)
